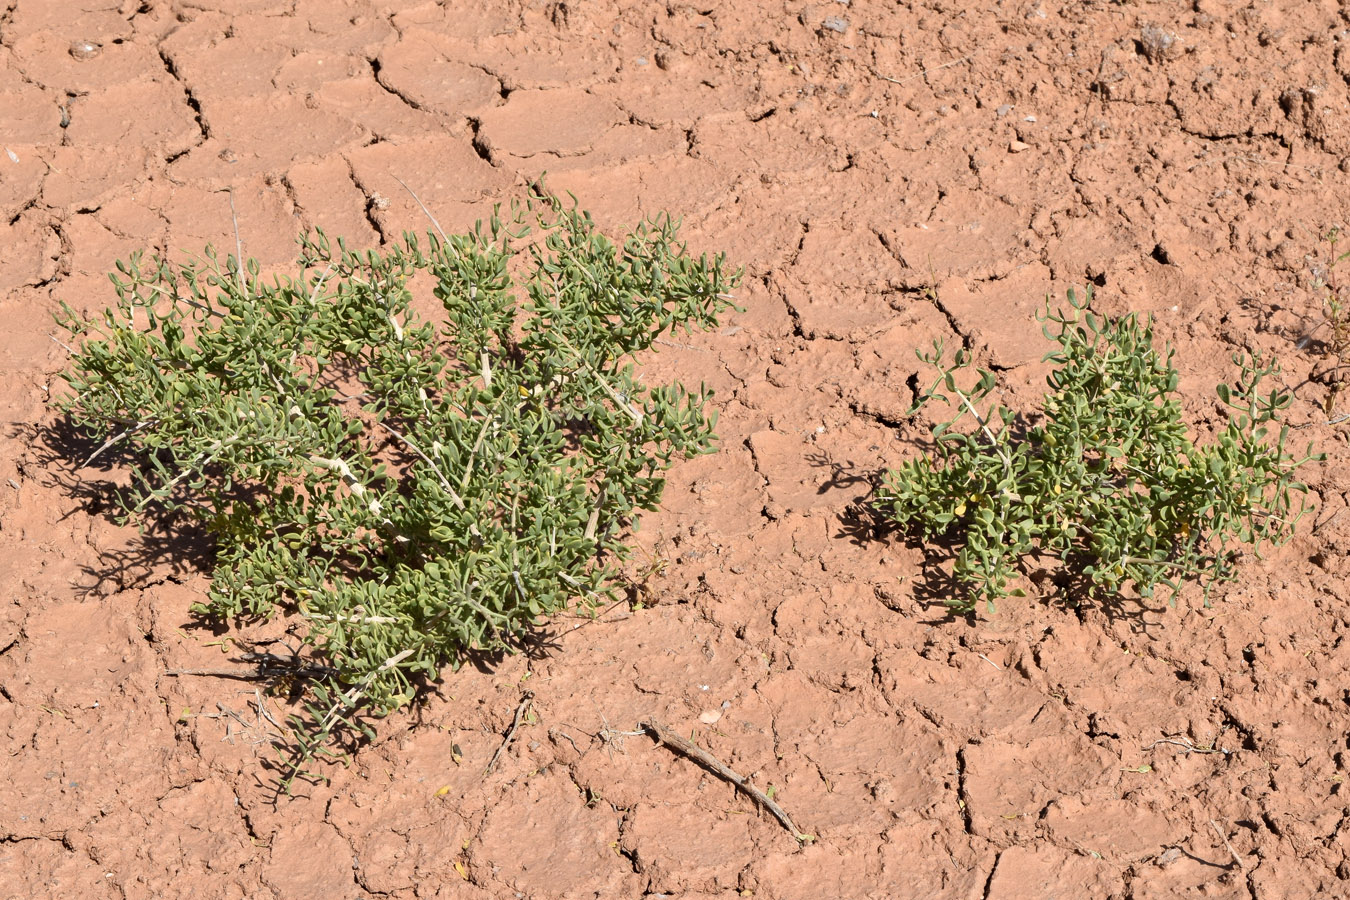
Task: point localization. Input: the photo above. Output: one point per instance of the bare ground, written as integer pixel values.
(887, 173)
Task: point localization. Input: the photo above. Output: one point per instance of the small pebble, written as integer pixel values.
(1003, 110)
(1018, 147)
(1029, 119)
(85, 49)
(1167, 857)
(834, 23)
(1158, 45)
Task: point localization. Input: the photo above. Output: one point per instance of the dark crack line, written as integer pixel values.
(479, 143)
(763, 489)
(371, 202)
(963, 796)
(931, 295)
(989, 882)
(503, 89)
(289, 187)
(375, 70)
(192, 100)
(891, 422)
(31, 204)
(798, 329)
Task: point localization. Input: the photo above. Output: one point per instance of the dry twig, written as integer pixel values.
(596, 618)
(426, 211)
(1223, 837)
(254, 674)
(683, 747)
(1185, 744)
(238, 247)
(241, 674)
(510, 732)
(946, 65)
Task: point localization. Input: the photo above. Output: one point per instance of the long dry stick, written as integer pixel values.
(946, 65)
(1185, 744)
(510, 732)
(424, 208)
(674, 741)
(445, 482)
(1223, 837)
(238, 247)
(253, 674)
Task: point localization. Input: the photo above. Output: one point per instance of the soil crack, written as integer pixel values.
(374, 201)
(375, 70)
(962, 795)
(202, 125)
(989, 882)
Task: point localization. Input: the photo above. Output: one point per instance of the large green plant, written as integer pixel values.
(1109, 481)
(414, 489)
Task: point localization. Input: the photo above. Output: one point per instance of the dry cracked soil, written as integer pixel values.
(887, 173)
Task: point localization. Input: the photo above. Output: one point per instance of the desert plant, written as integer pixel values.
(415, 490)
(1109, 481)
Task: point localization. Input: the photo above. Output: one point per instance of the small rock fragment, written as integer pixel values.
(1018, 147)
(834, 23)
(1158, 45)
(85, 49)
(1003, 110)
(1167, 857)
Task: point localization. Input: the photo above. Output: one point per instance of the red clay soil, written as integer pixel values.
(887, 173)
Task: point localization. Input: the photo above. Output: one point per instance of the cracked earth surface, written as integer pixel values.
(888, 173)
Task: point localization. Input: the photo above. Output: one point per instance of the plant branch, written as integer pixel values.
(683, 747)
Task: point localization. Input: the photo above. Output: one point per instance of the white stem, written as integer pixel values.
(319, 284)
(117, 437)
(345, 471)
(600, 379)
(445, 482)
(364, 620)
(1007, 461)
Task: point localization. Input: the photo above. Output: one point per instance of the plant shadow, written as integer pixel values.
(169, 544)
(172, 546)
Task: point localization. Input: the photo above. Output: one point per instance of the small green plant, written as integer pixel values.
(414, 489)
(1109, 482)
